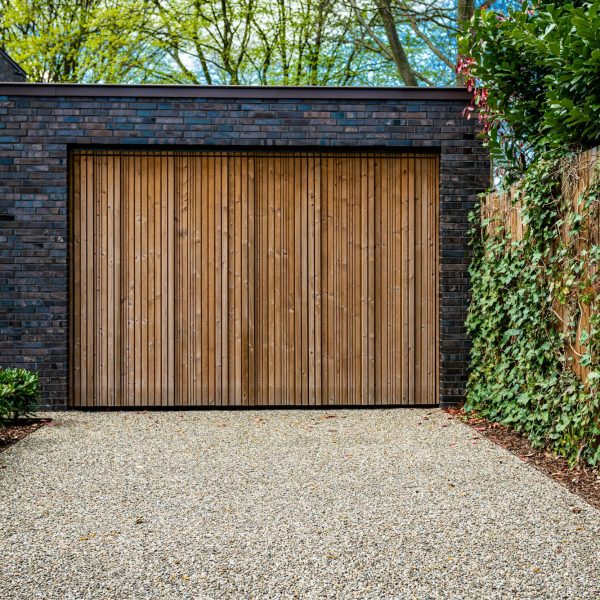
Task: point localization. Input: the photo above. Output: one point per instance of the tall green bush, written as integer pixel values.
(535, 72)
(19, 390)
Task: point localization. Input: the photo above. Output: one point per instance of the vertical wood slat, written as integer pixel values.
(212, 261)
(253, 279)
(251, 253)
(90, 346)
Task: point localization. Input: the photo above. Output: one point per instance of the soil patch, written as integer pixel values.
(17, 430)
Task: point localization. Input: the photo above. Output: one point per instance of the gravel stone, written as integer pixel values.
(367, 504)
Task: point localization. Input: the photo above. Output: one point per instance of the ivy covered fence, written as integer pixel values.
(534, 316)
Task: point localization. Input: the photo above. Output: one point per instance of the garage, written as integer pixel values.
(253, 278)
(212, 246)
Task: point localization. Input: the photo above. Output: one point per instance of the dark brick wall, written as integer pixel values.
(36, 132)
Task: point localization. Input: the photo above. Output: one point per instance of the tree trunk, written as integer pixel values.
(398, 53)
(466, 9)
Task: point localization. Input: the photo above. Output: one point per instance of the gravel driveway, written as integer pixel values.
(284, 504)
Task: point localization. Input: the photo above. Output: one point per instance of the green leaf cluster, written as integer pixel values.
(521, 371)
(81, 41)
(540, 67)
(19, 389)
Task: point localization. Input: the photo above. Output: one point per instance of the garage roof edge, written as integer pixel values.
(238, 92)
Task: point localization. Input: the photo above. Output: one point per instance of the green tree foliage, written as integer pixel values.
(418, 38)
(306, 42)
(536, 71)
(85, 41)
(266, 42)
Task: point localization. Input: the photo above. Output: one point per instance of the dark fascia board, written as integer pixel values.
(245, 92)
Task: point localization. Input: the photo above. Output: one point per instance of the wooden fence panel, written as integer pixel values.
(254, 279)
(501, 212)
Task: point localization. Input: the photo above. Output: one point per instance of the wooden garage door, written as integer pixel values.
(261, 279)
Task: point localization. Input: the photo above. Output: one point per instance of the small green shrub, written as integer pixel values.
(19, 390)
